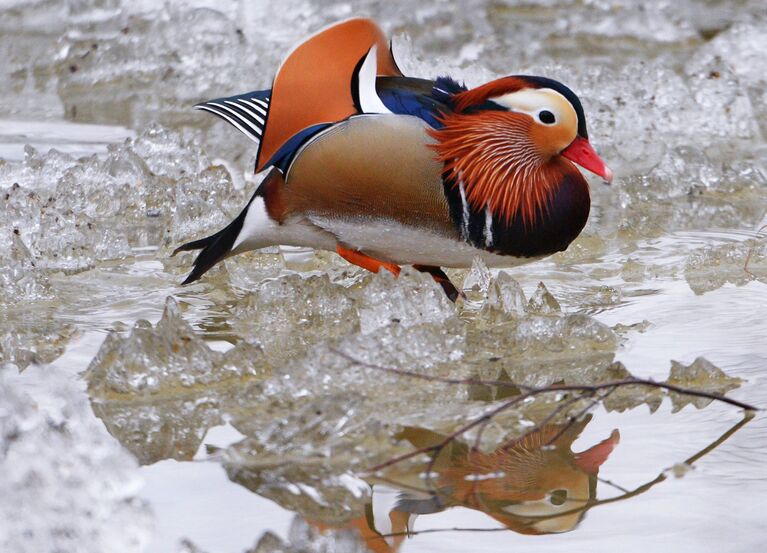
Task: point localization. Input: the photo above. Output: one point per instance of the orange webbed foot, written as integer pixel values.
(365, 261)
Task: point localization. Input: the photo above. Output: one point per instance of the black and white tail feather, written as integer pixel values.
(246, 112)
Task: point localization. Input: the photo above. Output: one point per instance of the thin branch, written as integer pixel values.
(429, 377)
(531, 391)
(563, 405)
(574, 418)
(612, 484)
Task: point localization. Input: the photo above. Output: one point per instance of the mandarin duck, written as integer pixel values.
(533, 485)
(388, 170)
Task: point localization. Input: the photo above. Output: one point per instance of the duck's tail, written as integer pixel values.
(246, 112)
(242, 234)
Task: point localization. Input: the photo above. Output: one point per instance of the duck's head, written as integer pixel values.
(510, 141)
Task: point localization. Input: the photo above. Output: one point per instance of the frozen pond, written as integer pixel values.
(259, 409)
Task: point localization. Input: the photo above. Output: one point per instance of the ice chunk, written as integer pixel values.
(160, 388)
(165, 428)
(542, 301)
(570, 334)
(478, 280)
(681, 171)
(249, 270)
(29, 336)
(58, 232)
(318, 424)
(320, 449)
(38, 170)
(700, 375)
(166, 358)
(167, 154)
(413, 298)
(416, 347)
(601, 296)
(203, 203)
(20, 279)
(505, 295)
(627, 397)
(74, 214)
(711, 267)
(156, 66)
(738, 51)
(66, 485)
(291, 313)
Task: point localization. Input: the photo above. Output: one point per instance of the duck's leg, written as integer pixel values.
(365, 261)
(375, 265)
(442, 279)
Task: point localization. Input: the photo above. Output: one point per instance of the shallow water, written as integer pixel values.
(234, 417)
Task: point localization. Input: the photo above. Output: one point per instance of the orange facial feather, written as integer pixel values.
(494, 156)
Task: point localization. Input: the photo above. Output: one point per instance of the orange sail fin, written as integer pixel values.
(315, 83)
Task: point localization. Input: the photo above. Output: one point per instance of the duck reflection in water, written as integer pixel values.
(533, 485)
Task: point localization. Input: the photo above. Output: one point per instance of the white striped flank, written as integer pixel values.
(366, 83)
(256, 226)
(465, 206)
(260, 230)
(488, 228)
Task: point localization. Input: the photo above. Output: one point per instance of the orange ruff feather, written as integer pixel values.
(493, 155)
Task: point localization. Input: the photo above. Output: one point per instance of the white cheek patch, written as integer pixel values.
(531, 101)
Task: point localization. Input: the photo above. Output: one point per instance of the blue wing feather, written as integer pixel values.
(421, 98)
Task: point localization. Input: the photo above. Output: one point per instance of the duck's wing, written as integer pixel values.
(426, 99)
(319, 81)
(326, 79)
(344, 70)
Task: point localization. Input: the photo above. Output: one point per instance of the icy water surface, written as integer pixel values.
(261, 409)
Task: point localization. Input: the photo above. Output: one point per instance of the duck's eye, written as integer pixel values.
(546, 117)
(558, 497)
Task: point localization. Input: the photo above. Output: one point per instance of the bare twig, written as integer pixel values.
(585, 390)
(530, 391)
(550, 417)
(574, 418)
(429, 377)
